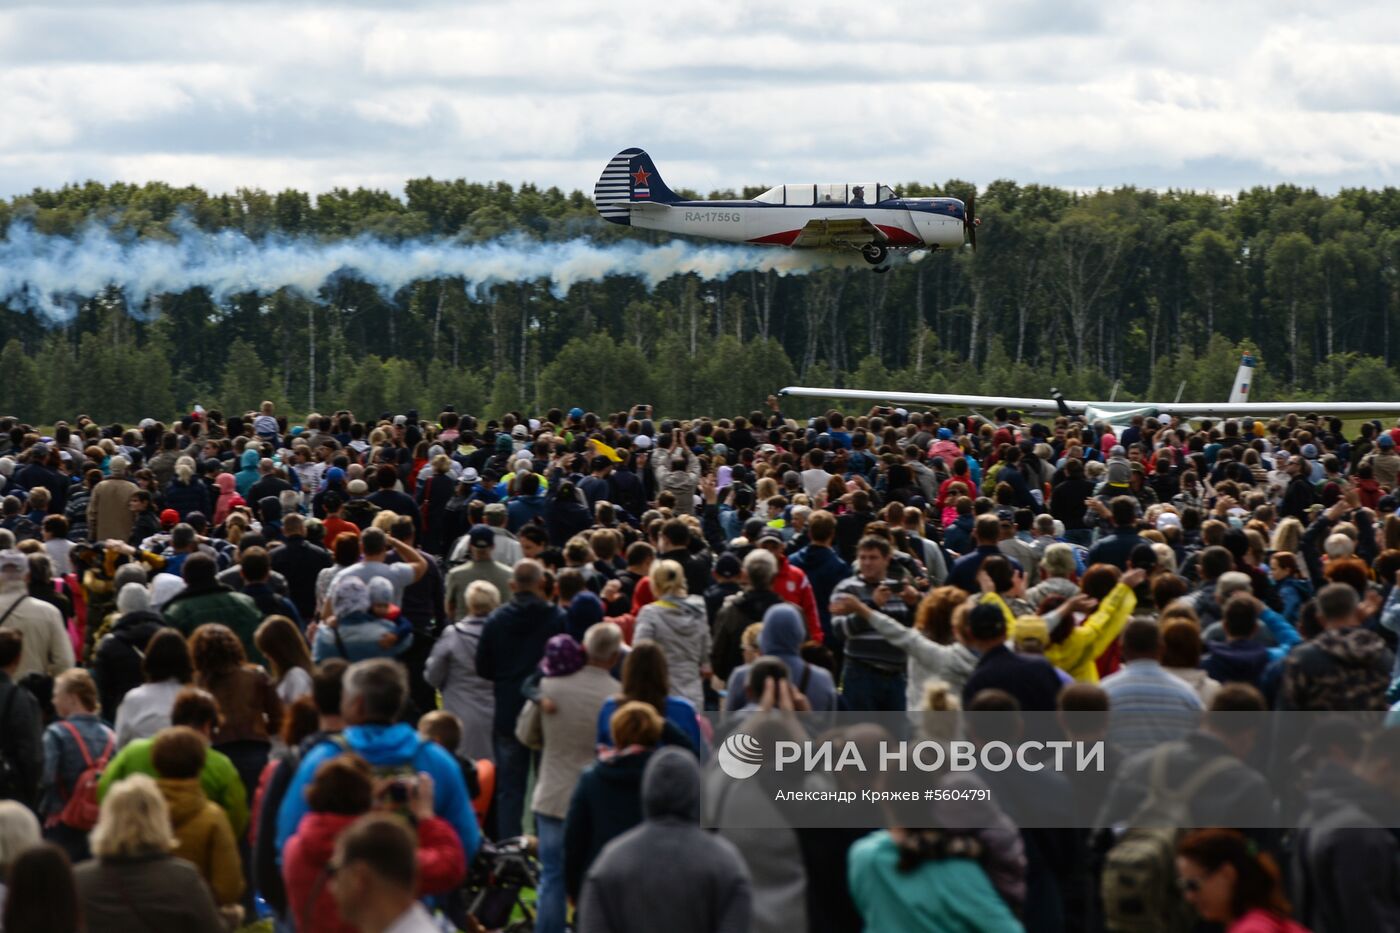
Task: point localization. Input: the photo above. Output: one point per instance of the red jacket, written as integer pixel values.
(442, 866)
(792, 585)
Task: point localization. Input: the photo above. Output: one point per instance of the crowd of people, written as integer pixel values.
(312, 670)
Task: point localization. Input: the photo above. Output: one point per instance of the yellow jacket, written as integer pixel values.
(205, 837)
(1077, 653)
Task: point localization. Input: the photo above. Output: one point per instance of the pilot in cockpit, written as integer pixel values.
(858, 194)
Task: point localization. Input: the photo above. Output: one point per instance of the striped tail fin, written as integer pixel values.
(1244, 377)
(630, 176)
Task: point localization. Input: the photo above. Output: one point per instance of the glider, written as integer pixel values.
(1238, 406)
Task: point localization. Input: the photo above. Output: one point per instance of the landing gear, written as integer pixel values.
(874, 253)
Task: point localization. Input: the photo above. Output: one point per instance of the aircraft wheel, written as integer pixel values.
(874, 253)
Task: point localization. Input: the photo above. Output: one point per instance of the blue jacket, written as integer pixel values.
(244, 479)
(387, 746)
(522, 510)
(1116, 547)
(824, 569)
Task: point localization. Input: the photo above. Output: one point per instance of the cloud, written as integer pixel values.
(311, 94)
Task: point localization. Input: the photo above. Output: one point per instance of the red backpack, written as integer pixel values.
(81, 809)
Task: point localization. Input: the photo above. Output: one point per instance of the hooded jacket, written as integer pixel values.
(705, 887)
(117, 661)
(1240, 661)
(511, 645)
(205, 837)
(1341, 669)
(388, 746)
(248, 475)
(441, 867)
(682, 629)
(156, 893)
(782, 638)
(227, 487)
(187, 497)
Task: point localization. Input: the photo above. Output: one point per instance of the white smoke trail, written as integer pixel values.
(51, 274)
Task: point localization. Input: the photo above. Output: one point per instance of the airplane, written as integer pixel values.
(869, 217)
(1115, 413)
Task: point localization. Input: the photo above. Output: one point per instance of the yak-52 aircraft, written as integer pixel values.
(869, 217)
(1117, 413)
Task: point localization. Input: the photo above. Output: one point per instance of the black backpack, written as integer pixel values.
(12, 785)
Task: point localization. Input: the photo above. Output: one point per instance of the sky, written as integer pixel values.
(243, 93)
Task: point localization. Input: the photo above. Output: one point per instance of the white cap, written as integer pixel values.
(1168, 520)
(641, 442)
(534, 424)
(470, 475)
(13, 563)
(902, 412)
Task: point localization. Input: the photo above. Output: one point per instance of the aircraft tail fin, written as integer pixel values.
(630, 176)
(1244, 378)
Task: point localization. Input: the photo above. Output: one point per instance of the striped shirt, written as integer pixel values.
(1148, 706)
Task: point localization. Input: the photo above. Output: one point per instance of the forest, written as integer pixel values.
(1147, 292)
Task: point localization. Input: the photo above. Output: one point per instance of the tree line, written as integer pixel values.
(1151, 292)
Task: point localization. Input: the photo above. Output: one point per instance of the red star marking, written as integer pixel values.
(640, 176)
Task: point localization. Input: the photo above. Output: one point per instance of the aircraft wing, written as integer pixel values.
(1108, 411)
(851, 231)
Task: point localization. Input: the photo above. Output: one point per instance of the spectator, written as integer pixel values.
(251, 712)
(452, 670)
(205, 600)
(933, 645)
(203, 834)
(1160, 706)
(677, 622)
(706, 890)
(21, 727)
(1228, 881)
(646, 679)
(46, 646)
(1032, 681)
(373, 696)
(19, 830)
(167, 669)
(285, 649)
(73, 746)
(607, 800)
(480, 565)
(376, 878)
(300, 564)
(120, 654)
(341, 792)
(781, 638)
(198, 710)
(40, 892)
(1346, 667)
(576, 683)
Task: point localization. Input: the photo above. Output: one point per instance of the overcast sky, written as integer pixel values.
(723, 94)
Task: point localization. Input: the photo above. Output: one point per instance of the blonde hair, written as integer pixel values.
(384, 521)
(19, 830)
(134, 820)
(748, 641)
(667, 579)
(78, 684)
(184, 468)
(1288, 536)
(482, 598)
(1058, 561)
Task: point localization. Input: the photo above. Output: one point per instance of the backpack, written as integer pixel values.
(1139, 877)
(404, 770)
(81, 809)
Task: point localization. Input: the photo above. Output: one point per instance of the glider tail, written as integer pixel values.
(1244, 377)
(630, 176)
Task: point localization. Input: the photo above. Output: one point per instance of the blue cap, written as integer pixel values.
(1385, 440)
(335, 474)
(575, 413)
(944, 434)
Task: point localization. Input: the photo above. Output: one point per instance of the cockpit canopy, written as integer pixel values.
(824, 195)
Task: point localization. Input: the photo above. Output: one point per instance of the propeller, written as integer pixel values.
(970, 220)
